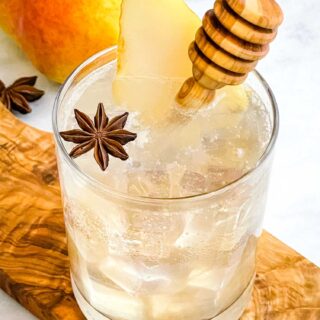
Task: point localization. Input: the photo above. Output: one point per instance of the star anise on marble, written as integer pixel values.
(103, 135)
(19, 93)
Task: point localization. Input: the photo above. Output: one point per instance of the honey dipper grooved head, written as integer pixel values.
(212, 70)
(234, 36)
(241, 27)
(263, 13)
(229, 42)
(220, 56)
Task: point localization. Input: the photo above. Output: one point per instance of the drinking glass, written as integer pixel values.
(140, 258)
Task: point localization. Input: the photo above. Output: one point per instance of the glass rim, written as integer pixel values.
(97, 184)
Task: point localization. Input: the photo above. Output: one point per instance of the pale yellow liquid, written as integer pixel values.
(154, 262)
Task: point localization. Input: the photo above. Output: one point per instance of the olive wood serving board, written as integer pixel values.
(34, 267)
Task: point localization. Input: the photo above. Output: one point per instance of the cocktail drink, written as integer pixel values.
(171, 233)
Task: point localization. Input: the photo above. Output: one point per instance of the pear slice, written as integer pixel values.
(153, 54)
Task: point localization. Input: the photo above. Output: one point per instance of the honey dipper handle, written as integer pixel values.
(193, 95)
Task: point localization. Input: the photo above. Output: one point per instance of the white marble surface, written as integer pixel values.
(293, 71)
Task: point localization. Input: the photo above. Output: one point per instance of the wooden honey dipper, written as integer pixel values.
(234, 36)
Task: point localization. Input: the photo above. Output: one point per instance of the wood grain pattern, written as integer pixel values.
(240, 27)
(34, 267)
(263, 13)
(287, 285)
(234, 36)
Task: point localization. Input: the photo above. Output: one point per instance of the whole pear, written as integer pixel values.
(58, 35)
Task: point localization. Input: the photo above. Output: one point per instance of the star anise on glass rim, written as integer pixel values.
(103, 135)
(19, 93)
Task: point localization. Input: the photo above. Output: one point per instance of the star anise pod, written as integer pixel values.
(104, 136)
(17, 95)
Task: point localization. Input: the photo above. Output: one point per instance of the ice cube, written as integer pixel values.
(87, 231)
(152, 232)
(229, 241)
(79, 270)
(121, 271)
(198, 229)
(242, 275)
(140, 277)
(176, 171)
(220, 176)
(193, 183)
(212, 279)
(190, 304)
(93, 214)
(149, 183)
(229, 230)
(228, 282)
(117, 304)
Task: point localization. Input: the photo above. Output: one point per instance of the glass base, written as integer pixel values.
(234, 312)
